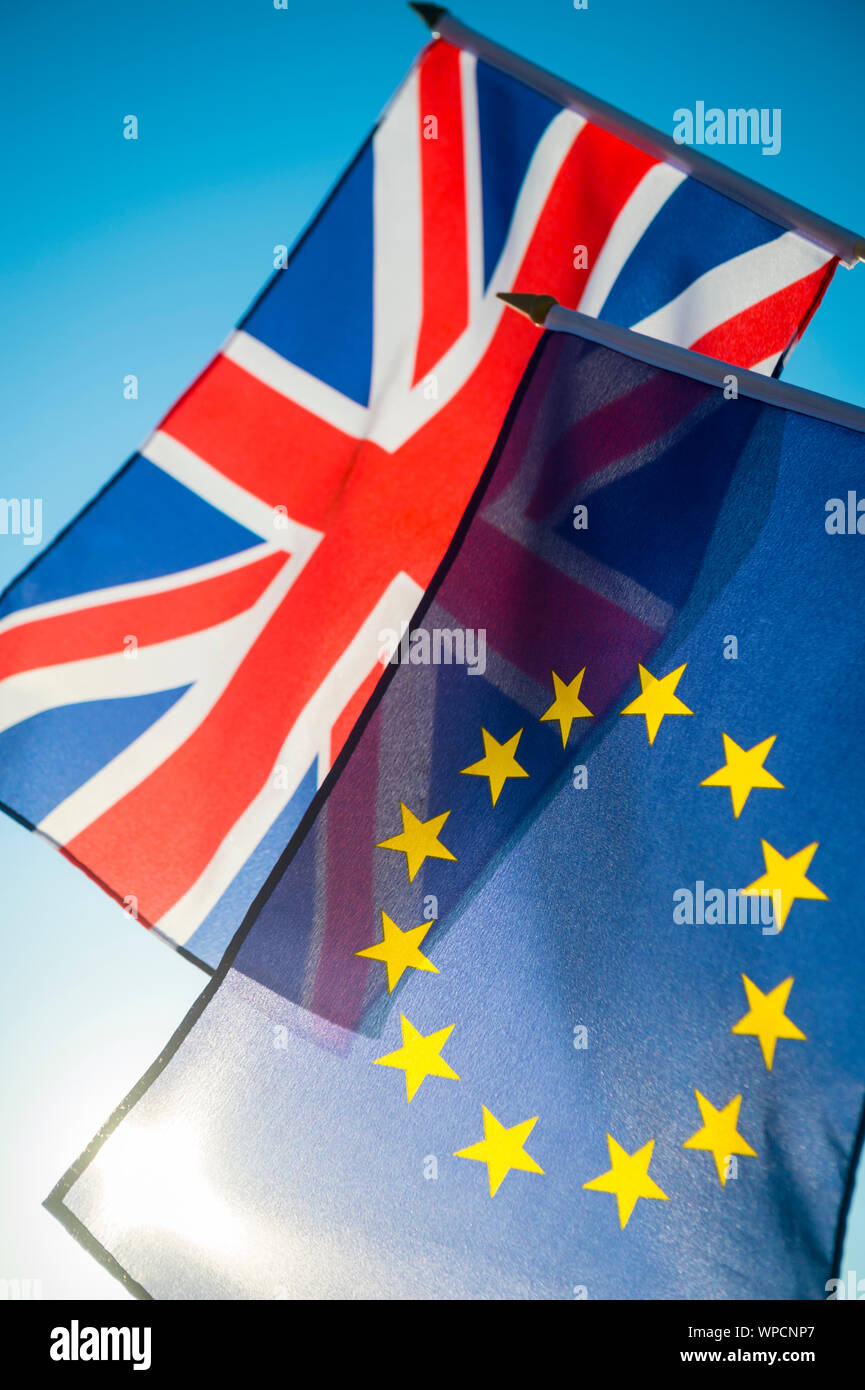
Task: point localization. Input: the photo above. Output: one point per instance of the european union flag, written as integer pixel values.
(557, 991)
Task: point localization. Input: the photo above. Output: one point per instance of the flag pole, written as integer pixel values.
(848, 246)
(546, 312)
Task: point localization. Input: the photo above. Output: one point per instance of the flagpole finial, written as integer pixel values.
(859, 249)
(534, 306)
(430, 14)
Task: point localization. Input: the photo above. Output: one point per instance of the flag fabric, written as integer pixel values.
(557, 991)
(179, 669)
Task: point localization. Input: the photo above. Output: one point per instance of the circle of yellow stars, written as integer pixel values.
(503, 1148)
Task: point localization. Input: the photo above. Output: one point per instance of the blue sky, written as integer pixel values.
(123, 257)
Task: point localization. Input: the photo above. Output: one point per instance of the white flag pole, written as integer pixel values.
(547, 313)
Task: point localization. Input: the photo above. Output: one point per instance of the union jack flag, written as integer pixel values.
(181, 666)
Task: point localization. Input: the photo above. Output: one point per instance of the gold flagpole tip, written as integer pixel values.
(430, 14)
(859, 249)
(534, 306)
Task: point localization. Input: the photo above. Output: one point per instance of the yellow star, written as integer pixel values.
(419, 1056)
(419, 840)
(400, 950)
(498, 763)
(628, 1179)
(766, 1018)
(719, 1134)
(743, 771)
(786, 879)
(657, 699)
(567, 706)
(502, 1149)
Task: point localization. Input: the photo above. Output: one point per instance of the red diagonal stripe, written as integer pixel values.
(346, 721)
(264, 442)
(595, 181)
(99, 631)
(443, 203)
(768, 326)
(617, 429)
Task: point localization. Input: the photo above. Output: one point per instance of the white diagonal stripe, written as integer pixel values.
(731, 288)
(207, 659)
(473, 181)
(640, 210)
(229, 497)
(115, 675)
(767, 366)
(398, 250)
(137, 589)
(296, 385)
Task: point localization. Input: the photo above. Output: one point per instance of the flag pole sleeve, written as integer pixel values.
(848, 246)
(546, 312)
